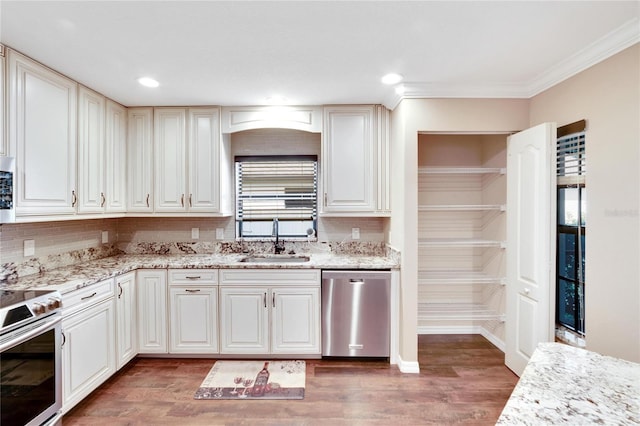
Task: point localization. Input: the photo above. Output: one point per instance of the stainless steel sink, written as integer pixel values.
(275, 258)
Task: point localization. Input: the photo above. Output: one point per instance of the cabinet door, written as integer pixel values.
(244, 320)
(140, 160)
(170, 148)
(152, 311)
(194, 319)
(348, 143)
(116, 157)
(204, 160)
(295, 320)
(91, 153)
(88, 352)
(42, 137)
(126, 327)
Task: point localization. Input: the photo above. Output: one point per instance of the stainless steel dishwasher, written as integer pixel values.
(355, 313)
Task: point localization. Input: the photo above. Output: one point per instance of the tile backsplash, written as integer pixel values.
(70, 242)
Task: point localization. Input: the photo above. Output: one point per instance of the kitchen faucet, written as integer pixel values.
(278, 246)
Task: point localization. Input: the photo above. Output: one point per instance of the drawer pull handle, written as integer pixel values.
(89, 296)
(273, 300)
(265, 299)
(190, 290)
(120, 292)
(191, 277)
(147, 200)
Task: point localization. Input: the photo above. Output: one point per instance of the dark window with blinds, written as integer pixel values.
(571, 166)
(276, 187)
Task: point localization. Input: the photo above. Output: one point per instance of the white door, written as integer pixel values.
(88, 352)
(194, 320)
(152, 311)
(530, 243)
(91, 151)
(244, 320)
(140, 160)
(126, 327)
(204, 160)
(295, 320)
(116, 157)
(348, 142)
(169, 149)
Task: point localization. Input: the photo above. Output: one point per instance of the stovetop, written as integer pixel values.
(21, 307)
(13, 297)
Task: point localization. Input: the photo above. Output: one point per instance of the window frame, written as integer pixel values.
(239, 221)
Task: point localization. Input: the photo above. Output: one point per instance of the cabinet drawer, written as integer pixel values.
(270, 276)
(87, 296)
(193, 276)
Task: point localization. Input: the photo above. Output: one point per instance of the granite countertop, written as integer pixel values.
(562, 384)
(70, 278)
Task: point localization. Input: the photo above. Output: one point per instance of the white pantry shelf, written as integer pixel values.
(458, 242)
(462, 207)
(458, 277)
(458, 311)
(462, 170)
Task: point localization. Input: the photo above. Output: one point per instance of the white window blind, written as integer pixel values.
(283, 188)
(571, 155)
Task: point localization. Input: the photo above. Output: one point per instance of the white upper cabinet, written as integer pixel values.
(187, 160)
(170, 165)
(42, 137)
(355, 161)
(91, 152)
(204, 160)
(101, 153)
(116, 157)
(140, 160)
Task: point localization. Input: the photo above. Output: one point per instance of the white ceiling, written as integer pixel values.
(317, 52)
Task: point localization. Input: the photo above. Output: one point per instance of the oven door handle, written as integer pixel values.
(19, 338)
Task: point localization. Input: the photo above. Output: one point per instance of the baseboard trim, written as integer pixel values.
(412, 367)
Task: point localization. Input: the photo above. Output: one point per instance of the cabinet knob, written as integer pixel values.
(527, 291)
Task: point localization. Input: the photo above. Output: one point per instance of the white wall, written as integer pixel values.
(607, 95)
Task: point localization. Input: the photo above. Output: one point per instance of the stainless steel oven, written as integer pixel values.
(30, 357)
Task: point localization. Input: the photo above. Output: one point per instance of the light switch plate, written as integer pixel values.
(105, 237)
(219, 233)
(195, 233)
(29, 248)
(355, 233)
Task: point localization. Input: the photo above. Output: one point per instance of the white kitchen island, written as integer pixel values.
(566, 385)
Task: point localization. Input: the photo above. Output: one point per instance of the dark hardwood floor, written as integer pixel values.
(462, 380)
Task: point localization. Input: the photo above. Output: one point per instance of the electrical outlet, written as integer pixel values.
(29, 248)
(219, 233)
(105, 237)
(355, 233)
(195, 233)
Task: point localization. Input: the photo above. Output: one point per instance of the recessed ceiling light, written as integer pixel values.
(391, 78)
(148, 82)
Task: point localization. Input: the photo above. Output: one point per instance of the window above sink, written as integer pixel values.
(276, 196)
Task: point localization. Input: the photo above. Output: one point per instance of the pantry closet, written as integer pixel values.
(461, 234)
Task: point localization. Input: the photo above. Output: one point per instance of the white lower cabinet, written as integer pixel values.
(88, 349)
(193, 305)
(152, 311)
(270, 311)
(126, 327)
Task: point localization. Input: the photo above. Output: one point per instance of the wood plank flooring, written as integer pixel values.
(462, 380)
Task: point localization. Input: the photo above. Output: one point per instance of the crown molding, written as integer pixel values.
(614, 42)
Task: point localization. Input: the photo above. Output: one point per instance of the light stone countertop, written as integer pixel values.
(562, 384)
(70, 278)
